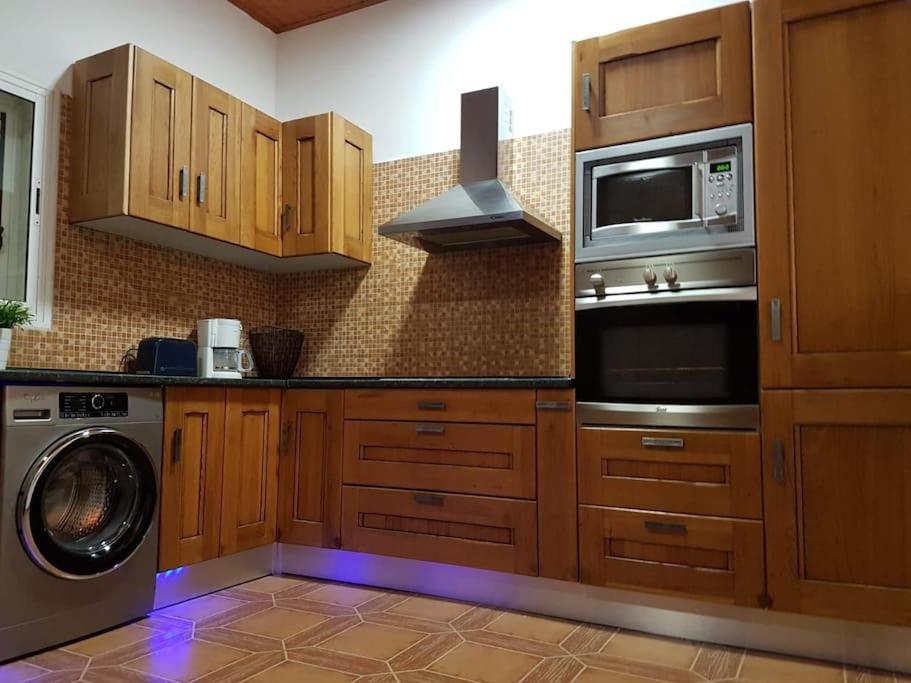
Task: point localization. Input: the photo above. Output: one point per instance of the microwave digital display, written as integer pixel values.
(720, 167)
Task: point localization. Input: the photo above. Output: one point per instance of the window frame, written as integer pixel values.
(39, 296)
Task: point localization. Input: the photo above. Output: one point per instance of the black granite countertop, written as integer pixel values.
(90, 378)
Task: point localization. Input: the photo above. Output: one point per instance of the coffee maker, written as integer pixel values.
(219, 353)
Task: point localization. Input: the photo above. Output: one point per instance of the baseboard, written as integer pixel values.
(177, 585)
(850, 642)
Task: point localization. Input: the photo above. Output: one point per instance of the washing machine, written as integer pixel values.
(79, 473)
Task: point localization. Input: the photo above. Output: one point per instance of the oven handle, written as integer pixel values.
(717, 294)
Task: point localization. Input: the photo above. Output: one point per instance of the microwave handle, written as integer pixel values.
(699, 191)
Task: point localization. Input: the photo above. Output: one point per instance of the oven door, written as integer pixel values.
(680, 359)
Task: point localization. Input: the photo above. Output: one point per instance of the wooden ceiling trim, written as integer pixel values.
(286, 15)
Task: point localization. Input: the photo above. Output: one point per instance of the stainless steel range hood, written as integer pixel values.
(480, 212)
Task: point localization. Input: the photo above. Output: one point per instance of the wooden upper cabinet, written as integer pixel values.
(675, 76)
(838, 502)
(160, 141)
(261, 181)
(191, 478)
(832, 171)
(311, 467)
(215, 163)
(327, 184)
(250, 502)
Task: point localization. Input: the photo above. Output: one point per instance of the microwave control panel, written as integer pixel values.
(721, 186)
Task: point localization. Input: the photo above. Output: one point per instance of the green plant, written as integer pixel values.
(14, 314)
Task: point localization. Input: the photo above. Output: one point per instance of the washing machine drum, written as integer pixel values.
(87, 504)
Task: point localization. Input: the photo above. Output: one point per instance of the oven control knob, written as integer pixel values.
(670, 275)
(650, 277)
(721, 209)
(597, 280)
(97, 401)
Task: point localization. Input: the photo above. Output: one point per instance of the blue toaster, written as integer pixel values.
(162, 356)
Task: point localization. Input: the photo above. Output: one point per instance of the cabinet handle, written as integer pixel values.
(552, 405)
(286, 438)
(666, 528)
(778, 462)
(428, 499)
(201, 188)
(586, 92)
(287, 212)
(775, 306)
(431, 405)
(430, 429)
(177, 446)
(662, 442)
(184, 182)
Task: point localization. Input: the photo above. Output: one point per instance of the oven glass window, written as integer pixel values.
(684, 353)
(643, 196)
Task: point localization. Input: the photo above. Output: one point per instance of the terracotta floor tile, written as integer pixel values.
(475, 618)
(19, 671)
(242, 669)
(292, 672)
(277, 622)
(599, 676)
(186, 661)
(381, 603)
(653, 649)
(484, 664)
(862, 675)
(338, 661)
(249, 642)
(373, 640)
(715, 662)
(337, 594)
(111, 640)
(317, 634)
(271, 584)
(641, 668)
(514, 643)
(410, 623)
(58, 660)
(206, 606)
(118, 674)
(774, 669)
(425, 652)
(430, 608)
(533, 628)
(557, 670)
(588, 639)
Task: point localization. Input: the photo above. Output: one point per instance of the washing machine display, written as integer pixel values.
(87, 503)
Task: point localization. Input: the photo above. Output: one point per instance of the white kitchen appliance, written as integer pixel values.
(219, 352)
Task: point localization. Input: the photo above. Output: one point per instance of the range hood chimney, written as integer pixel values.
(479, 212)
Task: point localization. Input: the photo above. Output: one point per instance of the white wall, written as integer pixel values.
(40, 39)
(398, 68)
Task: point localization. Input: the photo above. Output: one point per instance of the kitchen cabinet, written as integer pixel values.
(684, 74)
(832, 97)
(191, 479)
(311, 467)
(837, 487)
(327, 179)
(250, 499)
(163, 157)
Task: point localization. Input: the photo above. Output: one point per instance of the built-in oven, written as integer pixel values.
(691, 192)
(679, 350)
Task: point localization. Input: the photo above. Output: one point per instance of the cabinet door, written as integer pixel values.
(352, 190)
(311, 468)
(160, 141)
(260, 195)
(191, 479)
(837, 469)
(306, 185)
(251, 469)
(215, 163)
(832, 102)
(674, 76)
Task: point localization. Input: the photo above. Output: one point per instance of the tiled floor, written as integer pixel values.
(289, 629)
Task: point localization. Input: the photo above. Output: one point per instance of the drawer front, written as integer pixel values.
(705, 473)
(493, 460)
(703, 557)
(499, 406)
(488, 533)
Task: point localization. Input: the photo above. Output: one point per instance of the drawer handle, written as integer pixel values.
(778, 462)
(662, 442)
(177, 446)
(666, 528)
(286, 438)
(430, 429)
(431, 405)
(552, 405)
(428, 499)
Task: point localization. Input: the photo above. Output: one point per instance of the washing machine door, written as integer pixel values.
(87, 503)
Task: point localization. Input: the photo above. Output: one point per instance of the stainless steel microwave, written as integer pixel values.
(690, 192)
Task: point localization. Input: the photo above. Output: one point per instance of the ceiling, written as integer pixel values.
(284, 15)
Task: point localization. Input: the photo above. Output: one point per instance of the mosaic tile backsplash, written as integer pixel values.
(488, 313)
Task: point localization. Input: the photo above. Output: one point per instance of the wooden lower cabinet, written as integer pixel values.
(694, 556)
(837, 472)
(476, 531)
(191, 477)
(250, 480)
(311, 470)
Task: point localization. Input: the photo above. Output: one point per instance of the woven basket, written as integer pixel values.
(275, 351)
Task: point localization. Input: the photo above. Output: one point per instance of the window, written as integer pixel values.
(28, 189)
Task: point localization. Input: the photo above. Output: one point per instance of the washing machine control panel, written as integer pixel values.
(96, 404)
